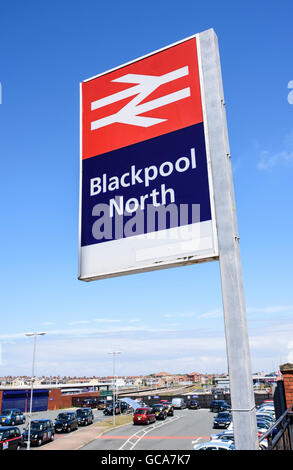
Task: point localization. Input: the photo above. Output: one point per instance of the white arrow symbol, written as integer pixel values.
(146, 84)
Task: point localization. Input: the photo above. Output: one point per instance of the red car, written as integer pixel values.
(144, 416)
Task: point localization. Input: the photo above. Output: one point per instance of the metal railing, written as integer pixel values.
(280, 435)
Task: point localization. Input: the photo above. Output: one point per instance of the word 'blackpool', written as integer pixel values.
(133, 176)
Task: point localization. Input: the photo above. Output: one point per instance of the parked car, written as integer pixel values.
(102, 404)
(219, 405)
(223, 436)
(193, 405)
(215, 445)
(89, 403)
(179, 403)
(11, 417)
(169, 407)
(85, 416)
(66, 422)
(109, 410)
(222, 420)
(144, 415)
(42, 430)
(10, 438)
(265, 417)
(124, 407)
(160, 411)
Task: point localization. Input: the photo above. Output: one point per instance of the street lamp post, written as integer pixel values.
(114, 385)
(32, 385)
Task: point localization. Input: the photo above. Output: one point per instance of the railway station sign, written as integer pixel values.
(146, 196)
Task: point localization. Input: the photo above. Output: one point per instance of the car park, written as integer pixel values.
(41, 430)
(160, 411)
(215, 445)
(144, 415)
(10, 438)
(222, 420)
(219, 405)
(66, 422)
(11, 417)
(84, 416)
(193, 405)
(109, 409)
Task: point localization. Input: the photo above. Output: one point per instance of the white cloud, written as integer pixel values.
(269, 160)
(106, 320)
(217, 313)
(270, 309)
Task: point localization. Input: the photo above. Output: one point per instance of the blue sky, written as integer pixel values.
(167, 320)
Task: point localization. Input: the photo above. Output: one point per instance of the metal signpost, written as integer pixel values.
(156, 187)
(32, 386)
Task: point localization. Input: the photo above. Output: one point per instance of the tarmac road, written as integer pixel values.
(182, 432)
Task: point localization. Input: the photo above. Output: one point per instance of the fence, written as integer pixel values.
(280, 435)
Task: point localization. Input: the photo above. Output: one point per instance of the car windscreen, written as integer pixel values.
(35, 426)
(140, 411)
(6, 413)
(82, 412)
(224, 415)
(64, 417)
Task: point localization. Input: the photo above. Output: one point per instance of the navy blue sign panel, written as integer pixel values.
(122, 184)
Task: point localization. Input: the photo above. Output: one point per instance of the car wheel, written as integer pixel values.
(52, 437)
(18, 447)
(13, 423)
(148, 421)
(39, 442)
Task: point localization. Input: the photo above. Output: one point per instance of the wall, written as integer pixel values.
(57, 401)
(203, 399)
(287, 371)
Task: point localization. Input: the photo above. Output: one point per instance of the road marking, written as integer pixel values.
(198, 438)
(133, 440)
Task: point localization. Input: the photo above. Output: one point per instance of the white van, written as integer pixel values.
(178, 403)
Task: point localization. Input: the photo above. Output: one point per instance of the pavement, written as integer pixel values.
(75, 439)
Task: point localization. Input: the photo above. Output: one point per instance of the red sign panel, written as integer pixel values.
(148, 98)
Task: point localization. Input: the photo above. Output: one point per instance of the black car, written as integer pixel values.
(169, 407)
(11, 417)
(84, 416)
(109, 410)
(42, 430)
(193, 405)
(89, 403)
(160, 411)
(222, 420)
(124, 407)
(219, 405)
(66, 421)
(10, 438)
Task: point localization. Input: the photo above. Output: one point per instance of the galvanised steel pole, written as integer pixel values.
(32, 386)
(114, 385)
(237, 342)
